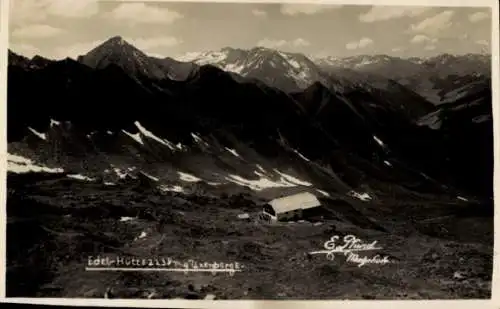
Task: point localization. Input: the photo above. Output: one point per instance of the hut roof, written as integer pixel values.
(302, 200)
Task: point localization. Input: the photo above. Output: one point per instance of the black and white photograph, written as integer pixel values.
(249, 151)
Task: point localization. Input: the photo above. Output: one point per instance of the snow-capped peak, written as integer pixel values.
(354, 62)
(275, 67)
(325, 60)
(202, 58)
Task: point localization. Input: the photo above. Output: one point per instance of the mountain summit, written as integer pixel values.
(129, 58)
(123, 54)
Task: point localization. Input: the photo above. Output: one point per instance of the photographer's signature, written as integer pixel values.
(350, 247)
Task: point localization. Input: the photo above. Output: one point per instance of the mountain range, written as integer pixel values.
(264, 98)
(429, 77)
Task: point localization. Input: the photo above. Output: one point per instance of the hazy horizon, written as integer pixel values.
(57, 29)
(277, 49)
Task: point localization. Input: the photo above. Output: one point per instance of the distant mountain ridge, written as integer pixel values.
(292, 72)
(352, 130)
(426, 76)
(366, 61)
(287, 71)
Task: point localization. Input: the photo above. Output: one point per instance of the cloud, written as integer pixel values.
(35, 11)
(483, 42)
(380, 13)
(434, 24)
(321, 54)
(398, 49)
(478, 16)
(156, 55)
(154, 42)
(420, 38)
(485, 45)
(259, 13)
(362, 43)
(75, 50)
(37, 31)
(300, 42)
(430, 47)
(25, 50)
(26, 11)
(270, 43)
(306, 9)
(73, 8)
(142, 13)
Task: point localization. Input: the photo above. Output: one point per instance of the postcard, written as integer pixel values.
(210, 152)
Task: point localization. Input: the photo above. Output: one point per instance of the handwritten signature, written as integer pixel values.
(350, 247)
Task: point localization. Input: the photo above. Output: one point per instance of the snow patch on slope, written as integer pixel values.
(40, 135)
(136, 137)
(379, 141)
(149, 134)
(292, 179)
(19, 164)
(233, 152)
(301, 155)
(361, 196)
(258, 185)
(199, 140)
(299, 72)
(188, 177)
(142, 235)
(203, 58)
(150, 176)
(123, 173)
(54, 123)
(166, 188)
(80, 177)
(285, 181)
(235, 68)
(324, 193)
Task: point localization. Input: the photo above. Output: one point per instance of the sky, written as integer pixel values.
(58, 29)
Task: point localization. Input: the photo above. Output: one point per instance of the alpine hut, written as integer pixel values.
(292, 207)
